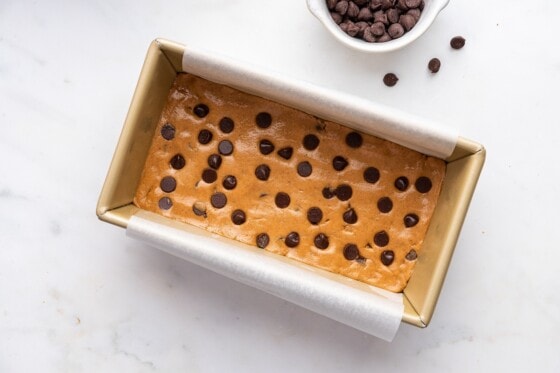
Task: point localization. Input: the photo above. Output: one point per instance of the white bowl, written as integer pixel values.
(431, 9)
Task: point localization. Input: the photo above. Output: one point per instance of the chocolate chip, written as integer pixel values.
(264, 120)
(413, 3)
(226, 124)
(262, 172)
(351, 252)
(396, 30)
(393, 15)
(204, 137)
(218, 200)
(457, 42)
(342, 7)
(266, 147)
(339, 163)
(381, 239)
(314, 215)
(214, 161)
(201, 110)
(377, 29)
(328, 193)
(168, 184)
(384, 204)
(415, 13)
(423, 184)
(168, 131)
(365, 15)
(410, 220)
(354, 140)
(229, 182)
(321, 241)
(282, 200)
(371, 175)
(331, 4)
(349, 216)
(310, 142)
(262, 240)
(304, 169)
(387, 257)
(199, 209)
(292, 239)
(337, 18)
(209, 175)
(401, 183)
(343, 192)
(407, 21)
(177, 162)
(390, 79)
(225, 147)
(286, 152)
(238, 217)
(434, 65)
(353, 10)
(411, 255)
(165, 203)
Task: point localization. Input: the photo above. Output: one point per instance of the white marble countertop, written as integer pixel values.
(76, 295)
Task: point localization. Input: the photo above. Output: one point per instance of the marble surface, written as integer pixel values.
(76, 295)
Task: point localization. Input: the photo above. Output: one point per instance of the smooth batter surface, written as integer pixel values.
(256, 198)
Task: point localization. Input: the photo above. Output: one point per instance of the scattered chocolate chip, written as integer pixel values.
(218, 200)
(264, 120)
(387, 257)
(209, 175)
(214, 161)
(304, 169)
(371, 175)
(168, 131)
(204, 137)
(343, 192)
(349, 216)
(168, 184)
(328, 193)
(354, 140)
(177, 162)
(423, 184)
(457, 42)
(165, 203)
(411, 255)
(262, 172)
(292, 239)
(351, 251)
(401, 183)
(310, 142)
(314, 215)
(410, 220)
(226, 124)
(225, 147)
(286, 152)
(238, 217)
(262, 240)
(339, 163)
(321, 241)
(266, 147)
(390, 79)
(381, 239)
(199, 209)
(229, 182)
(282, 200)
(384, 204)
(201, 110)
(434, 65)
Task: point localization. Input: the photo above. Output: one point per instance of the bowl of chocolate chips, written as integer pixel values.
(376, 25)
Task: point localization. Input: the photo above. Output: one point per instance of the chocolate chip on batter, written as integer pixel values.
(209, 175)
(282, 200)
(387, 257)
(262, 240)
(371, 175)
(266, 147)
(321, 241)
(264, 120)
(410, 220)
(328, 193)
(457, 42)
(384, 204)
(314, 215)
(390, 79)
(262, 172)
(339, 163)
(199, 209)
(354, 140)
(225, 147)
(349, 216)
(214, 161)
(304, 169)
(292, 239)
(286, 152)
(381, 239)
(177, 162)
(226, 124)
(204, 137)
(343, 192)
(423, 184)
(168, 131)
(310, 142)
(168, 184)
(238, 217)
(351, 251)
(411, 255)
(165, 203)
(229, 182)
(218, 200)
(201, 110)
(401, 183)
